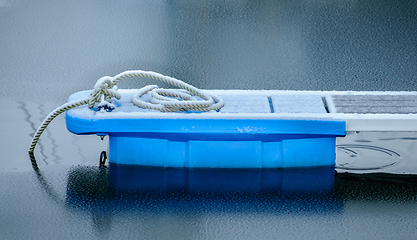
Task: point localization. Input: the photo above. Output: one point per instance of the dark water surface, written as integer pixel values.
(50, 49)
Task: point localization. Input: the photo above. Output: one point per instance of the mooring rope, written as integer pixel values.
(165, 100)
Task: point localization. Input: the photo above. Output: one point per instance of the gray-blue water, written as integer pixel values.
(50, 49)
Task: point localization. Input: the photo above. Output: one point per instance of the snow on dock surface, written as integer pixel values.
(283, 103)
(245, 104)
(292, 103)
(362, 111)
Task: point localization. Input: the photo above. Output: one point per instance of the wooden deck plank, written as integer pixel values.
(376, 104)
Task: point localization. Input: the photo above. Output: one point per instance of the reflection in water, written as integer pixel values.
(47, 137)
(177, 197)
(28, 116)
(122, 187)
(181, 202)
(376, 187)
(181, 195)
(50, 191)
(56, 146)
(22, 106)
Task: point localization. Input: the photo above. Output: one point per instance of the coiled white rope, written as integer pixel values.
(165, 100)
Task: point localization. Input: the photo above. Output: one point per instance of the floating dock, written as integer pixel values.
(255, 129)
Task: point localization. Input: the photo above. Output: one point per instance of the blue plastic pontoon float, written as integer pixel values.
(250, 131)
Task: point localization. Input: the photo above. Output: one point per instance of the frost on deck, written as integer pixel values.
(291, 103)
(392, 104)
(357, 108)
(245, 104)
(282, 103)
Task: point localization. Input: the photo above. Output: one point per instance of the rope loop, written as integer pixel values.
(165, 100)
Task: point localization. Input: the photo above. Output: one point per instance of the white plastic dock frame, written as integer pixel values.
(255, 129)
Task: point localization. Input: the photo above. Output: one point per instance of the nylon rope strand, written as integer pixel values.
(165, 100)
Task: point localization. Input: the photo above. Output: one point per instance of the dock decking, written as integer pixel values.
(362, 111)
(254, 129)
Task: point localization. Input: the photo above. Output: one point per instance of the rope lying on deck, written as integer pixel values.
(164, 100)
